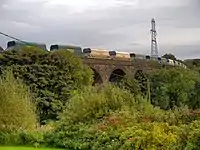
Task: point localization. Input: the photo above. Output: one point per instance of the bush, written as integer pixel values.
(131, 84)
(33, 138)
(193, 136)
(94, 103)
(52, 76)
(22, 138)
(173, 88)
(194, 99)
(112, 118)
(9, 138)
(17, 112)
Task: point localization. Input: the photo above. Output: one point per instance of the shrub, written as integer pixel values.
(131, 84)
(112, 118)
(17, 112)
(172, 88)
(22, 138)
(9, 138)
(52, 76)
(194, 99)
(94, 103)
(192, 136)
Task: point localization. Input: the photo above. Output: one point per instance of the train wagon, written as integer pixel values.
(138, 56)
(163, 60)
(184, 66)
(74, 49)
(119, 55)
(17, 45)
(96, 53)
(159, 60)
(176, 63)
(154, 58)
(170, 62)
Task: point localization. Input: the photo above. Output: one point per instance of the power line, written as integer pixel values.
(4, 34)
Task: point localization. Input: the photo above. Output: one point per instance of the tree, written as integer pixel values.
(169, 56)
(196, 62)
(194, 102)
(141, 79)
(17, 110)
(131, 84)
(193, 64)
(173, 87)
(52, 76)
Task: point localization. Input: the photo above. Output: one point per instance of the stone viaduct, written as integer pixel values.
(107, 70)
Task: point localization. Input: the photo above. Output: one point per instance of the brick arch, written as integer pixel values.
(117, 74)
(142, 71)
(97, 77)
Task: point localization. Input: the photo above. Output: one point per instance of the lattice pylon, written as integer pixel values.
(154, 47)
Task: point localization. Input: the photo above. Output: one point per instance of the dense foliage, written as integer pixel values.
(193, 64)
(50, 75)
(133, 85)
(17, 111)
(116, 116)
(166, 88)
(175, 87)
(95, 119)
(169, 56)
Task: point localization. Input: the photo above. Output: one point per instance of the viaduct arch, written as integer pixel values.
(106, 70)
(97, 77)
(116, 75)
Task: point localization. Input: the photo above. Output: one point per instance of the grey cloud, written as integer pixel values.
(183, 51)
(116, 27)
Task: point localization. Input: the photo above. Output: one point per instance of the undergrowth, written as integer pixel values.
(113, 118)
(17, 110)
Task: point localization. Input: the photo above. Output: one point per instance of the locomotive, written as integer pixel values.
(17, 45)
(97, 53)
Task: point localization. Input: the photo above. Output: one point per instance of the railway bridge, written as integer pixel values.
(110, 70)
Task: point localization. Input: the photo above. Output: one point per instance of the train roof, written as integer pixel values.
(97, 49)
(120, 52)
(27, 43)
(66, 46)
(137, 54)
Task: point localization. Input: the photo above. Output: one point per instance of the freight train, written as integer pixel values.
(97, 53)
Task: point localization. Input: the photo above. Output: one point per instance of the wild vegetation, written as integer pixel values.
(50, 76)
(193, 64)
(17, 111)
(47, 100)
(23, 148)
(101, 119)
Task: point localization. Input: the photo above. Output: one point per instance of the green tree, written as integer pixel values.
(17, 110)
(169, 56)
(52, 76)
(194, 102)
(193, 64)
(173, 87)
(131, 84)
(141, 79)
(196, 62)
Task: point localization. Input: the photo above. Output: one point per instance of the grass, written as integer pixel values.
(24, 148)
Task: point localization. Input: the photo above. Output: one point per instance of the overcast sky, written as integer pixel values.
(122, 25)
